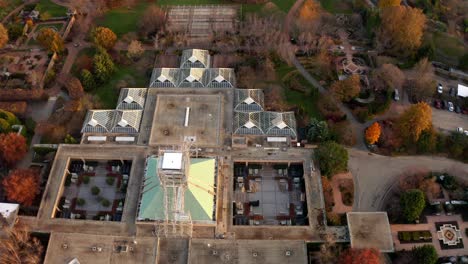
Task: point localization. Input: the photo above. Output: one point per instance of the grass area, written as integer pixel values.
(123, 20)
(337, 6)
(9, 6)
(449, 45)
(284, 5)
(53, 9)
(108, 93)
(304, 101)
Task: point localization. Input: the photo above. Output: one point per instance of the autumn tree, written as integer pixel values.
(423, 84)
(3, 36)
(373, 133)
(22, 186)
(414, 121)
(153, 20)
(360, 256)
(388, 76)
(135, 50)
(13, 147)
(412, 204)
(19, 247)
(51, 40)
(401, 30)
(347, 89)
(309, 11)
(74, 88)
(104, 37)
(388, 3)
(332, 157)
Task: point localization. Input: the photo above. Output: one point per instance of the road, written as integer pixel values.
(374, 174)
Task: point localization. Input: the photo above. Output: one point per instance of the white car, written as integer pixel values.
(460, 130)
(440, 88)
(450, 106)
(466, 133)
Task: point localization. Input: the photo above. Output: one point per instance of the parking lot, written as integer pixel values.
(447, 121)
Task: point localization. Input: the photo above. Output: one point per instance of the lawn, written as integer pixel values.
(123, 20)
(449, 45)
(284, 5)
(10, 5)
(108, 93)
(337, 6)
(53, 9)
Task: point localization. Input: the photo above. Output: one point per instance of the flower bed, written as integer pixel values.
(423, 236)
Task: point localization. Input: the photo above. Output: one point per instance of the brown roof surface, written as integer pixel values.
(370, 230)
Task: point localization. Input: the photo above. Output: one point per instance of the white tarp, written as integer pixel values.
(462, 90)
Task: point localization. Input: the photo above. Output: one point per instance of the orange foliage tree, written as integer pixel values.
(401, 30)
(50, 40)
(347, 89)
(360, 256)
(388, 3)
(13, 147)
(373, 133)
(414, 121)
(3, 36)
(22, 186)
(104, 37)
(309, 11)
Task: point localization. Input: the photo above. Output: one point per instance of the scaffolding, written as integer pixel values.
(174, 181)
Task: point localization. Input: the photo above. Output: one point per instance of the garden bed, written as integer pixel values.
(407, 237)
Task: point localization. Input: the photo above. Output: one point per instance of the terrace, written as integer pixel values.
(95, 190)
(269, 194)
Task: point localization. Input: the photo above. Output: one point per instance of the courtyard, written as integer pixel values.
(95, 190)
(269, 194)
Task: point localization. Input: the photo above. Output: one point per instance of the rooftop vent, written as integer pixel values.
(214, 252)
(288, 253)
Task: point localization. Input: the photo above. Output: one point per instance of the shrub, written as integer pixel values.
(404, 236)
(80, 201)
(412, 204)
(95, 190)
(110, 180)
(85, 179)
(425, 254)
(105, 203)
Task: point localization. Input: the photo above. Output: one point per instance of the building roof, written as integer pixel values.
(199, 200)
(265, 123)
(9, 211)
(112, 121)
(247, 251)
(370, 230)
(462, 90)
(248, 100)
(195, 58)
(172, 161)
(131, 99)
(192, 78)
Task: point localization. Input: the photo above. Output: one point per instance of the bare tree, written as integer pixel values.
(19, 247)
(153, 20)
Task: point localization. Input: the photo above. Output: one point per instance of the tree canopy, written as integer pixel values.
(310, 10)
(103, 66)
(22, 186)
(426, 254)
(152, 21)
(317, 131)
(135, 50)
(373, 133)
(412, 204)
(347, 89)
(332, 157)
(414, 121)
(423, 85)
(3, 36)
(104, 37)
(19, 247)
(13, 147)
(360, 256)
(388, 3)
(50, 40)
(388, 76)
(401, 30)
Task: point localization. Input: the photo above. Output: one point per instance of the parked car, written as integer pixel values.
(460, 130)
(450, 107)
(453, 91)
(396, 95)
(466, 132)
(437, 104)
(444, 104)
(440, 88)
(449, 208)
